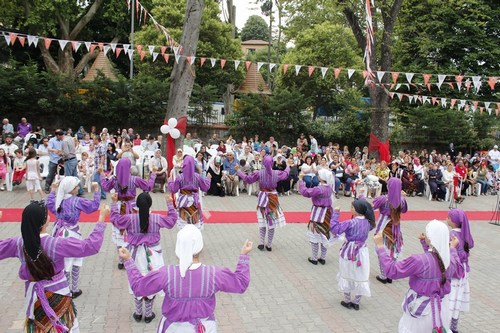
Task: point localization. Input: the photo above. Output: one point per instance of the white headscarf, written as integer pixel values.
(67, 185)
(439, 236)
(327, 176)
(189, 243)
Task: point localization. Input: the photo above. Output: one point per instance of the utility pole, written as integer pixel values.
(132, 21)
(228, 96)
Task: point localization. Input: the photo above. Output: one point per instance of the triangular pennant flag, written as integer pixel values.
(101, 46)
(212, 61)
(151, 49)
(424, 99)
(492, 80)
(407, 86)
(285, 68)
(259, 65)
(441, 79)
(76, 46)
(434, 100)
(142, 54)
(310, 70)
(188, 60)
(409, 77)
(163, 49)
(222, 63)
(297, 69)
(247, 64)
(398, 86)
(271, 66)
(113, 46)
(47, 42)
(139, 48)
(166, 56)
(481, 110)
(126, 47)
(87, 45)
(62, 43)
(92, 47)
(489, 111)
(155, 55)
(487, 105)
(392, 86)
(118, 51)
(380, 76)
(365, 74)
(176, 50)
(452, 103)
(451, 85)
(336, 72)
(443, 102)
(323, 71)
(467, 84)
(13, 37)
(459, 79)
(236, 64)
(35, 42)
(350, 72)
(21, 40)
(7, 38)
(475, 103)
(476, 80)
(467, 108)
(130, 53)
(427, 78)
(193, 58)
(202, 61)
(391, 94)
(400, 96)
(31, 39)
(395, 76)
(177, 57)
(106, 49)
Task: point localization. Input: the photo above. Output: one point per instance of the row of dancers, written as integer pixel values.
(438, 278)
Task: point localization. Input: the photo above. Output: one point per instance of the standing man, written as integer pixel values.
(68, 155)
(494, 157)
(314, 144)
(55, 150)
(7, 128)
(23, 129)
(100, 155)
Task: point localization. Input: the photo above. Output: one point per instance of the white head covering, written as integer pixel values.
(327, 176)
(189, 243)
(67, 185)
(439, 236)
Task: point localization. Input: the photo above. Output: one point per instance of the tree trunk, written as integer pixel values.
(183, 75)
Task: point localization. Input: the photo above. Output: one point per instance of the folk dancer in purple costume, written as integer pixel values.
(318, 229)
(269, 212)
(354, 260)
(143, 232)
(460, 290)
(49, 306)
(426, 306)
(188, 183)
(126, 186)
(391, 206)
(189, 287)
(67, 207)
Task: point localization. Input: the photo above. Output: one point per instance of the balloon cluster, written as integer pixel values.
(170, 128)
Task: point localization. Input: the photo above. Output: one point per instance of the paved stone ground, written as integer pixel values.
(286, 293)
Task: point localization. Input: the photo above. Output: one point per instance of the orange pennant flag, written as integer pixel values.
(452, 104)
(118, 51)
(47, 43)
(285, 68)
(491, 81)
(337, 71)
(395, 76)
(459, 78)
(92, 47)
(101, 46)
(311, 70)
(165, 56)
(139, 48)
(475, 103)
(434, 99)
(21, 40)
(467, 85)
(222, 63)
(451, 85)
(188, 60)
(247, 64)
(163, 49)
(429, 86)
(142, 54)
(481, 110)
(202, 61)
(426, 78)
(13, 37)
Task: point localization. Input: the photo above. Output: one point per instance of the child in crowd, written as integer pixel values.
(4, 166)
(33, 176)
(86, 168)
(19, 167)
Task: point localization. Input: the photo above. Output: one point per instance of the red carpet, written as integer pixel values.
(14, 215)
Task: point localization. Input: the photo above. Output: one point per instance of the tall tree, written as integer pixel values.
(255, 28)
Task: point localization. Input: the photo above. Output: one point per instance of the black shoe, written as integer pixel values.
(346, 305)
(149, 319)
(261, 247)
(47, 191)
(269, 248)
(389, 280)
(355, 306)
(314, 262)
(454, 331)
(121, 266)
(137, 317)
(75, 294)
(379, 279)
(322, 261)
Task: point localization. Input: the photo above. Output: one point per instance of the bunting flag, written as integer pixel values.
(202, 61)
(7, 39)
(336, 72)
(21, 40)
(13, 37)
(409, 76)
(310, 70)
(285, 68)
(323, 71)
(118, 51)
(163, 49)
(130, 54)
(459, 79)
(236, 64)
(166, 57)
(222, 63)
(350, 72)
(106, 49)
(492, 81)
(178, 56)
(142, 54)
(297, 69)
(155, 55)
(452, 103)
(476, 80)
(380, 75)
(151, 49)
(259, 65)
(212, 61)
(62, 44)
(47, 43)
(32, 40)
(395, 76)
(188, 60)
(247, 64)
(441, 79)
(271, 66)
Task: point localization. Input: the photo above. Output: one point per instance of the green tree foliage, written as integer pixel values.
(255, 28)
(201, 103)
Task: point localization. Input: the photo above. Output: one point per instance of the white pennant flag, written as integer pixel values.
(407, 86)
(77, 46)
(424, 99)
(212, 61)
(113, 47)
(35, 42)
(130, 54)
(462, 104)
(31, 39)
(151, 49)
(391, 94)
(489, 111)
(126, 47)
(409, 76)
(380, 76)
(106, 49)
(236, 64)
(400, 96)
(487, 104)
(87, 45)
(191, 60)
(62, 43)
(259, 65)
(443, 102)
(323, 71)
(441, 78)
(415, 98)
(297, 69)
(7, 38)
(177, 57)
(271, 66)
(398, 86)
(155, 55)
(476, 80)
(350, 72)
(176, 50)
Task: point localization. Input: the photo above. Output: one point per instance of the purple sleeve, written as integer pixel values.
(145, 185)
(78, 248)
(338, 228)
(456, 264)
(283, 175)
(404, 205)
(174, 186)
(378, 202)
(118, 220)
(168, 221)
(398, 269)
(8, 248)
(51, 202)
(204, 183)
(89, 206)
(236, 282)
(108, 184)
(308, 192)
(148, 284)
(424, 245)
(249, 179)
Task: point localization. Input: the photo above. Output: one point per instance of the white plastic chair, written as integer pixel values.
(44, 160)
(197, 147)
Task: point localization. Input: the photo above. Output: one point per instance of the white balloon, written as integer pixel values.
(172, 122)
(164, 129)
(175, 133)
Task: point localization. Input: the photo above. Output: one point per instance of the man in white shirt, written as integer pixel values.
(7, 128)
(8, 146)
(247, 155)
(314, 144)
(494, 157)
(151, 144)
(43, 147)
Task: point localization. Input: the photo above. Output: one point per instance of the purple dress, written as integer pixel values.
(57, 249)
(393, 238)
(190, 300)
(321, 212)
